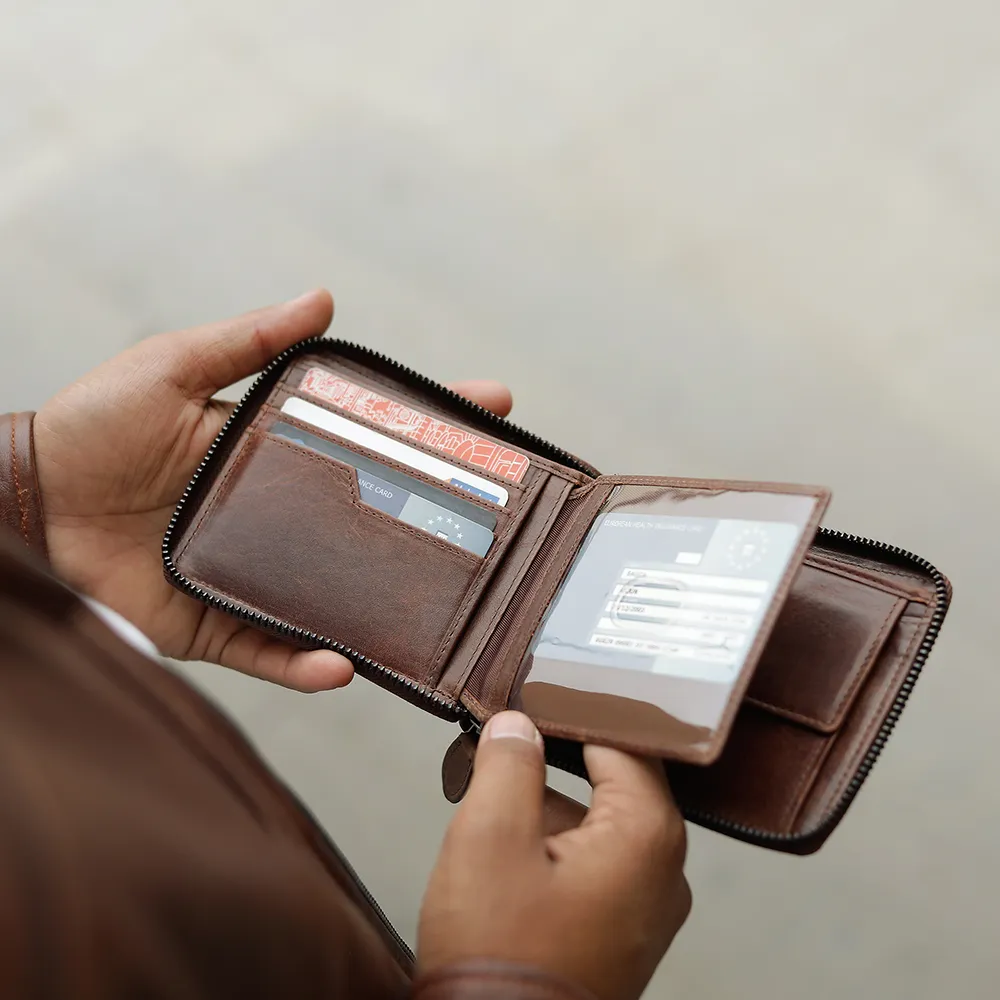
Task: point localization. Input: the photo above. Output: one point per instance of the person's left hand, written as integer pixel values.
(114, 452)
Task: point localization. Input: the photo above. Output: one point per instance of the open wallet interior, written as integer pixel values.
(475, 571)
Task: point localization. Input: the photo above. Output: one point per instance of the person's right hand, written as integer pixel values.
(597, 905)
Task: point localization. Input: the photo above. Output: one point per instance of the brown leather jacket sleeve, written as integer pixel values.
(489, 980)
(145, 849)
(20, 499)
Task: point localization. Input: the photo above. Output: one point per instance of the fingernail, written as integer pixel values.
(299, 299)
(512, 726)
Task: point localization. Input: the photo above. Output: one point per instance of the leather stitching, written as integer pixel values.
(794, 800)
(331, 466)
(321, 641)
(904, 583)
(892, 689)
(856, 574)
(475, 706)
(851, 571)
(287, 418)
(219, 489)
(22, 506)
(848, 694)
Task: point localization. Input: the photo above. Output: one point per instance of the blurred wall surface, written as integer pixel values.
(754, 240)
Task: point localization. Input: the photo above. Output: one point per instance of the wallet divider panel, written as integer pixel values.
(471, 653)
(492, 680)
(504, 545)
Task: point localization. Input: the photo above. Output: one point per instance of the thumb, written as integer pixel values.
(631, 802)
(205, 359)
(505, 802)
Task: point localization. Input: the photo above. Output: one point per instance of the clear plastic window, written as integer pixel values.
(660, 618)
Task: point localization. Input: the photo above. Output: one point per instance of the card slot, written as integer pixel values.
(355, 372)
(454, 413)
(289, 537)
(351, 476)
(274, 415)
(510, 486)
(365, 377)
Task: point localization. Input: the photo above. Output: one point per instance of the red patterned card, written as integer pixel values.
(444, 437)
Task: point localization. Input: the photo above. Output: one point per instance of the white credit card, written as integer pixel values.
(391, 448)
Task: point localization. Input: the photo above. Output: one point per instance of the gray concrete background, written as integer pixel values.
(756, 239)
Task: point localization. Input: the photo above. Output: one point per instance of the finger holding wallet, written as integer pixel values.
(592, 908)
(114, 452)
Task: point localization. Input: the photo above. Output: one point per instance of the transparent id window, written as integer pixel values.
(662, 607)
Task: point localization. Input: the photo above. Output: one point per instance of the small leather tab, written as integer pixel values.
(20, 499)
(456, 768)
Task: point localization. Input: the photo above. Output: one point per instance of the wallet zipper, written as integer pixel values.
(448, 709)
(435, 702)
(766, 838)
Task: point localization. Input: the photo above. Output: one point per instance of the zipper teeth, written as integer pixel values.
(511, 430)
(448, 709)
(767, 838)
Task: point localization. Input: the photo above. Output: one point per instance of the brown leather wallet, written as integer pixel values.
(277, 535)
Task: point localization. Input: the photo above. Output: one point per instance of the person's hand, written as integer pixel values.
(114, 452)
(597, 905)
